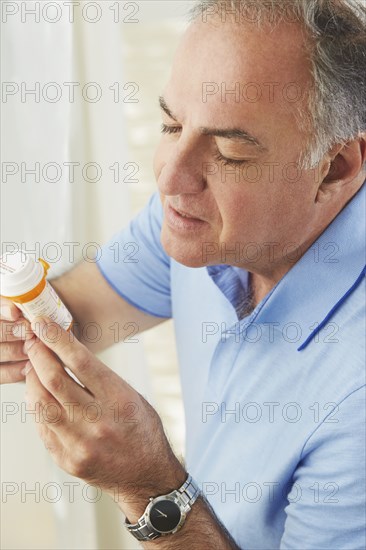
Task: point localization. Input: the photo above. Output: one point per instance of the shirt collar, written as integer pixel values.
(317, 285)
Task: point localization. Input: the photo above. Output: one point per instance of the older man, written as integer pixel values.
(256, 247)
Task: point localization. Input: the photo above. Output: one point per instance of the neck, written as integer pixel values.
(260, 287)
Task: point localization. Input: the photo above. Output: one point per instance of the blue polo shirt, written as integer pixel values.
(274, 402)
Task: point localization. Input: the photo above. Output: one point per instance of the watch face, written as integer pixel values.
(165, 516)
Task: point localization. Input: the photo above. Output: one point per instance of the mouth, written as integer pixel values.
(185, 214)
(182, 221)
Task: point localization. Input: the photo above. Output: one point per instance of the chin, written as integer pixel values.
(189, 261)
(188, 254)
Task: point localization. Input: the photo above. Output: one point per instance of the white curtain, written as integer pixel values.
(47, 208)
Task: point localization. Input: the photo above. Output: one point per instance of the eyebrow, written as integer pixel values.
(235, 134)
(165, 108)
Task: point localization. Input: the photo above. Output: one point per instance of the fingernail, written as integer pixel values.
(28, 344)
(28, 367)
(19, 330)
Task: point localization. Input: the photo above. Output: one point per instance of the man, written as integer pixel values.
(256, 247)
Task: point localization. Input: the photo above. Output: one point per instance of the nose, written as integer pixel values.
(182, 169)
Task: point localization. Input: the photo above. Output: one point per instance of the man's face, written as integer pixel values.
(256, 212)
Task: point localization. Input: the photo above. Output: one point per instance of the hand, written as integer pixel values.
(12, 357)
(105, 432)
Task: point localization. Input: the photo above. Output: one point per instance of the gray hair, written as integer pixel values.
(336, 32)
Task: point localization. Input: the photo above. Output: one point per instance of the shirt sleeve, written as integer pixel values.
(326, 507)
(135, 265)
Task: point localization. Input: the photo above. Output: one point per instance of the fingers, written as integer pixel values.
(12, 372)
(12, 351)
(48, 410)
(6, 332)
(22, 329)
(12, 331)
(53, 376)
(74, 355)
(12, 323)
(12, 355)
(64, 419)
(8, 310)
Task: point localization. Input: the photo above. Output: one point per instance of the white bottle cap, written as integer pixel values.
(19, 273)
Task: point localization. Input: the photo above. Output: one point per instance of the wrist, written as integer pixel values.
(133, 500)
(165, 514)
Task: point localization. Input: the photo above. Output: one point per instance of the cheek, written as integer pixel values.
(244, 214)
(233, 208)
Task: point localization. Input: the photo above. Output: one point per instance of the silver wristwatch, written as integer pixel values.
(165, 514)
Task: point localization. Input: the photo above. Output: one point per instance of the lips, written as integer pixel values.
(186, 214)
(181, 221)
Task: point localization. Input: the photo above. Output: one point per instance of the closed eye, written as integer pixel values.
(165, 129)
(228, 162)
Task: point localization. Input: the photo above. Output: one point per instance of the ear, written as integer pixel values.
(342, 165)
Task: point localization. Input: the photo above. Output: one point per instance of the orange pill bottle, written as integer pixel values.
(23, 281)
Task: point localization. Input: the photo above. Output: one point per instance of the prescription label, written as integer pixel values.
(47, 304)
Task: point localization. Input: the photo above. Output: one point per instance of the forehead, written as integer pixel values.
(266, 69)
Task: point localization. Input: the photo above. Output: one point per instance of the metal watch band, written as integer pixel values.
(186, 495)
(141, 531)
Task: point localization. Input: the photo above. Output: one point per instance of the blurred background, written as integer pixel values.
(80, 122)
